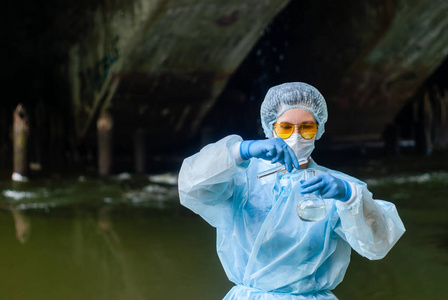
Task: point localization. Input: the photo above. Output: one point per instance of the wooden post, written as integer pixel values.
(104, 130)
(20, 141)
(140, 151)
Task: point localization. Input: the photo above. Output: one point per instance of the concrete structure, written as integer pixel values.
(162, 65)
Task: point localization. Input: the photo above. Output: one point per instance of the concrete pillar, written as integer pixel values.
(140, 150)
(37, 137)
(207, 135)
(443, 132)
(20, 141)
(392, 140)
(441, 118)
(4, 124)
(104, 131)
(424, 127)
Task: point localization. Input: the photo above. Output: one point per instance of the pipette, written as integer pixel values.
(281, 168)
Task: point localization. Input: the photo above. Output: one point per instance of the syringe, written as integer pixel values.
(281, 168)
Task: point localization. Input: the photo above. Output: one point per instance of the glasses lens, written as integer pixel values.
(308, 130)
(283, 130)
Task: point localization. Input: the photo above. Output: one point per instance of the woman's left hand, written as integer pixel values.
(327, 186)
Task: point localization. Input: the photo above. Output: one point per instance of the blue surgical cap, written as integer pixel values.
(291, 95)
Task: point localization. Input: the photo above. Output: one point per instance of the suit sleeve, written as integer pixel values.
(209, 181)
(371, 227)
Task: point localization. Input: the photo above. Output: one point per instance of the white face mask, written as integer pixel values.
(301, 147)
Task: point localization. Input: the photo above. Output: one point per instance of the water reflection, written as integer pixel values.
(123, 238)
(128, 238)
(96, 243)
(22, 225)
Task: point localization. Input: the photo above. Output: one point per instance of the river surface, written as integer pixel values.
(127, 237)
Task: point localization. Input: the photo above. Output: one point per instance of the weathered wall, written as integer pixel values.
(176, 52)
(368, 58)
(161, 65)
(184, 59)
(393, 64)
(85, 48)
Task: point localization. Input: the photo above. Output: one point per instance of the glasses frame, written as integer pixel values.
(296, 126)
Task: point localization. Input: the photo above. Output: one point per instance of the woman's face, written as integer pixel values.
(296, 116)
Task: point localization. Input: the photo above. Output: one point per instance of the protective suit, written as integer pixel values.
(264, 247)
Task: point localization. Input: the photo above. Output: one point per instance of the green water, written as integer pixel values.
(85, 238)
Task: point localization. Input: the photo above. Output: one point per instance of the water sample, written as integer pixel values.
(311, 206)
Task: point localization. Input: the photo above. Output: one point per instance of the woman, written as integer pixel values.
(264, 247)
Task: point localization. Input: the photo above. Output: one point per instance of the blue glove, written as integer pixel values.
(327, 186)
(275, 150)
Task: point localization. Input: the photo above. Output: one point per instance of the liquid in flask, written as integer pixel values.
(311, 206)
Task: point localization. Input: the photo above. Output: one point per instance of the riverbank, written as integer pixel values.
(358, 162)
(365, 164)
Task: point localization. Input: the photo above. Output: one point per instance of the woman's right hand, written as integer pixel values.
(274, 150)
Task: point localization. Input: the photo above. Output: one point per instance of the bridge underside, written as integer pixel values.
(173, 68)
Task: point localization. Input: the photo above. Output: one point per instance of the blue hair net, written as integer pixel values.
(291, 95)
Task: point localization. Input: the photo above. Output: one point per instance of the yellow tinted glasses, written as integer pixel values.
(306, 130)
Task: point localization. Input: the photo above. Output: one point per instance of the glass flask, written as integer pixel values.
(311, 206)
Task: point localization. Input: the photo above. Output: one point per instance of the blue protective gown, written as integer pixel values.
(264, 247)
